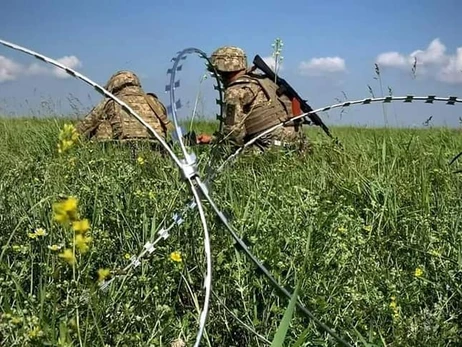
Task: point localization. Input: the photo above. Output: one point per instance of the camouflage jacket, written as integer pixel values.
(108, 120)
(252, 106)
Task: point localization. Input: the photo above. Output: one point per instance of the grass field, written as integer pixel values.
(372, 233)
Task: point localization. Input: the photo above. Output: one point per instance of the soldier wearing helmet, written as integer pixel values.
(108, 121)
(251, 103)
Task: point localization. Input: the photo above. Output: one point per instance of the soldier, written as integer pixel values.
(251, 103)
(108, 121)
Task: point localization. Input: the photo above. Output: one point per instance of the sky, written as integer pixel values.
(329, 52)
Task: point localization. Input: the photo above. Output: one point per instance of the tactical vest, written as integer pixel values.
(268, 114)
(129, 127)
(159, 110)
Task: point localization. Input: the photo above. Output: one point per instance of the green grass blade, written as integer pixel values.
(281, 333)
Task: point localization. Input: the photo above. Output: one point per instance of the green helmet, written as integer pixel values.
(229, 59)
(122, 79)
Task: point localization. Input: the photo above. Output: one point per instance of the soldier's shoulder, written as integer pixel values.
(246, 80)
(238, 91)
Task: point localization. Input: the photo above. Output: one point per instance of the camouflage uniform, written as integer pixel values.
(252, 105)
(108, 120)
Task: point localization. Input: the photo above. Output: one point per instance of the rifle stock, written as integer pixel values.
(286, 88)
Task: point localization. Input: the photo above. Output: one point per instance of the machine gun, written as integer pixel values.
(298, 104)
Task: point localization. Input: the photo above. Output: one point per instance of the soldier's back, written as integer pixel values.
(124, 125)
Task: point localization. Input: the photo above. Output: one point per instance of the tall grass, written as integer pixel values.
(383, 218)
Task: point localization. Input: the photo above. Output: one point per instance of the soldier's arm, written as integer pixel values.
(167, 122)
(114, 113)
(162, 112)
(88, 125)
(236, 100)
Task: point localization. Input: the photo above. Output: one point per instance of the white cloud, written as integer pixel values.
(392, 59)
(434, 54)
(322, 66)
(71, 62)
(433, 61)
(271, 62)
(35, 69)
(11, 70)
(452, 71)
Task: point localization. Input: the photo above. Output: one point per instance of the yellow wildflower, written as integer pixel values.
(418, 272)
(54, 247)
(67, 136)
(140, 160)
(36, 332)
(32, 235)
(368, 228)
(40, 232)
(70, 204)
(65, 210)
(176, 256)
(127, 256)
(68, 256)
(341, 229)
(102, 274)
(394, 307)
(81, 242)
(81, 226)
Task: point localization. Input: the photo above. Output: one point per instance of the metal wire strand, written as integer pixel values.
(451, 100)
(241, 245)
(190, 161)
(183, 165)
(175, 103)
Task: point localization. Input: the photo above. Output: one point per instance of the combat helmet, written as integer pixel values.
(229, 59)
(122, 79)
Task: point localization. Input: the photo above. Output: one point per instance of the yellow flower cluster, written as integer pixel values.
(140, 160)
(65, 213)
(40, 232)
(67, 137)
(102, 274)
(176, 257)
(394, 307)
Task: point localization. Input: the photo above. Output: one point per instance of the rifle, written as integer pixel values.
(285, 88)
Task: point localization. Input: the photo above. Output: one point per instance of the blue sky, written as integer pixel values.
(329, 49)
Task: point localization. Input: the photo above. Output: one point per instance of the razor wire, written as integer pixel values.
(174, 105)
(188, 169)
(191, 159)
(204, 185)
(189, 172)
(172, 108)
(186, 166)
(175, 83)
(240, 244)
